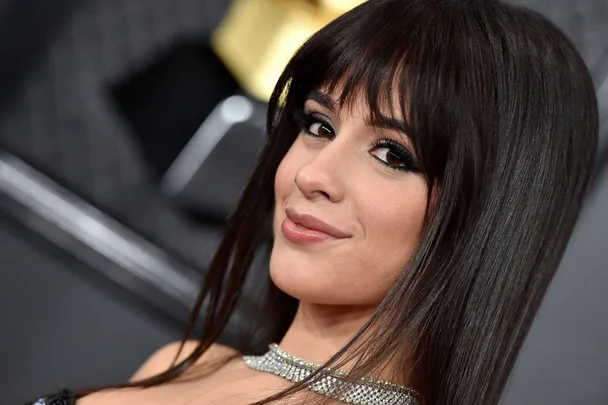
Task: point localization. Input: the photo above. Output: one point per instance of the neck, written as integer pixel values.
(319, 331)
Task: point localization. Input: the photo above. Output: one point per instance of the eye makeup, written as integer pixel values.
(386, 151)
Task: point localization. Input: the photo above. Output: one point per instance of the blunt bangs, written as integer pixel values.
(421, 64)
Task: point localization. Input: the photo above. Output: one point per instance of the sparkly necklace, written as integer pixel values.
(368, 391)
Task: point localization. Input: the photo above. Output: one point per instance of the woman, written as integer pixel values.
(426, 163)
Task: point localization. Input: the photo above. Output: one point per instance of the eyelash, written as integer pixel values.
(304, 121)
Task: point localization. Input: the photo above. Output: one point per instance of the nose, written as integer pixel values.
(320, 176)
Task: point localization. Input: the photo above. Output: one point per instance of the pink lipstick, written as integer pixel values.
(304, 229)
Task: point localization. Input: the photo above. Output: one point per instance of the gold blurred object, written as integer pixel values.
(339, 7)
(258, 37)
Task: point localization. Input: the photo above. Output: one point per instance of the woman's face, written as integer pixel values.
(349, 206)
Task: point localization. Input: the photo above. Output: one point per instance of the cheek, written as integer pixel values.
(392, 223)
(281, 181)
(285, 175)
(284, 186)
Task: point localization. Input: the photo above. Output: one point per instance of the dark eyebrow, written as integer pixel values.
(322, 99)
(391, 124)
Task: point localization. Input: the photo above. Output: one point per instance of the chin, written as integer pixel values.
(299, 279)
(306, 279)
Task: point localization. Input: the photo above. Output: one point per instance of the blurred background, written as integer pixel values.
(127, 131)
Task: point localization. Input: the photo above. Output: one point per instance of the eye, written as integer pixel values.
(319, 128)
(313, 124)
(394, 155)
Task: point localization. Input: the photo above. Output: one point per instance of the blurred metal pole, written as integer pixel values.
(96, 239)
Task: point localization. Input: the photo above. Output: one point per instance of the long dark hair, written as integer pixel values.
(502, 113)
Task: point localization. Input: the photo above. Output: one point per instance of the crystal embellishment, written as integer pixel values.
(331, 384)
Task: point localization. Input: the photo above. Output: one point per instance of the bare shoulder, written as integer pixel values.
(158, 362)
(162, 359)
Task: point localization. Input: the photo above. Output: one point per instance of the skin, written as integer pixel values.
(340, 179)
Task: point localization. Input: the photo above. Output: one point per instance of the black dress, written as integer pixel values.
(64, 397)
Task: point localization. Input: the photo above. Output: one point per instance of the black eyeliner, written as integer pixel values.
(304, 120)
(399, 151)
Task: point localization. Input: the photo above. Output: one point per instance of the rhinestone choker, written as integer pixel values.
(366, 392)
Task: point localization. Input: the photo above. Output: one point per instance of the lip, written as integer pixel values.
(316, 230)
